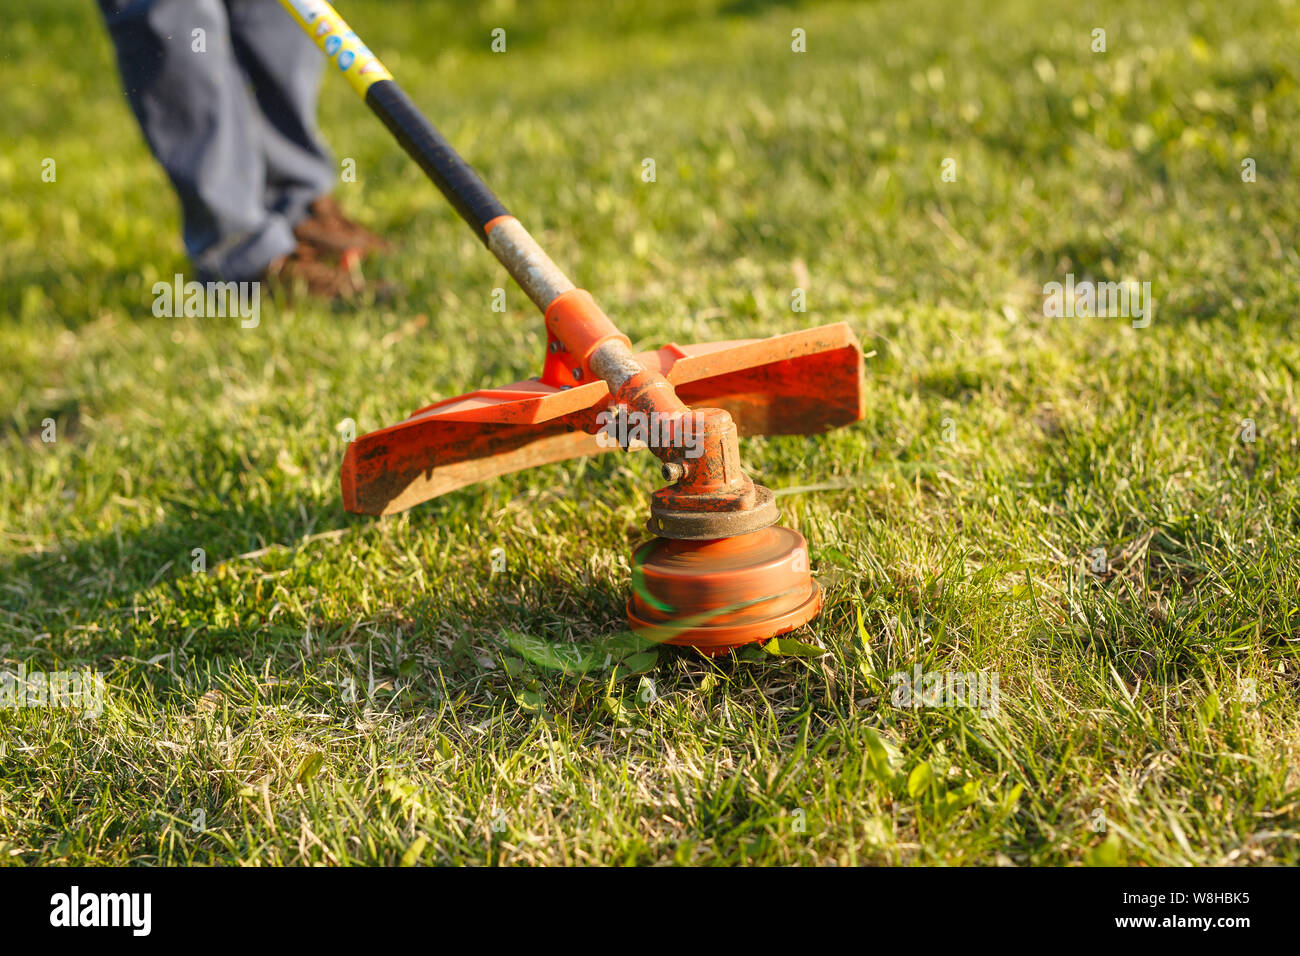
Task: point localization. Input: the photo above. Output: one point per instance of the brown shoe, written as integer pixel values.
(303, 271)
(334, 233)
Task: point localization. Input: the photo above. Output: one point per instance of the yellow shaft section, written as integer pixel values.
(342, 46)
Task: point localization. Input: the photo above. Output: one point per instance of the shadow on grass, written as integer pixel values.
(289, 577)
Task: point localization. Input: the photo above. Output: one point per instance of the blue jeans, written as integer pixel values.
(230, 113)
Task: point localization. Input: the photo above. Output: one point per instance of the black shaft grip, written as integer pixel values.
(476, 203)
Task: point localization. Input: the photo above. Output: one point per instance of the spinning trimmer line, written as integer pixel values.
(717, 572)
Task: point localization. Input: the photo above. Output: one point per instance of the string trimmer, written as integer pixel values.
(717, 572)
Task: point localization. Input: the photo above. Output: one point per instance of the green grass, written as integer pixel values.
(954, 522)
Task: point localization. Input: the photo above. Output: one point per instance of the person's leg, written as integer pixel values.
(192, 102)
(284, 68)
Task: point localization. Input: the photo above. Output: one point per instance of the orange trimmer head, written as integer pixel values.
(716, 572)
(702, 586)
(720, 594)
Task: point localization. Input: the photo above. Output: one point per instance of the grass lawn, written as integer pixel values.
(1073, 505)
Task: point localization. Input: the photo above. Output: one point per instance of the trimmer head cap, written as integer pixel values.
(725, 593)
